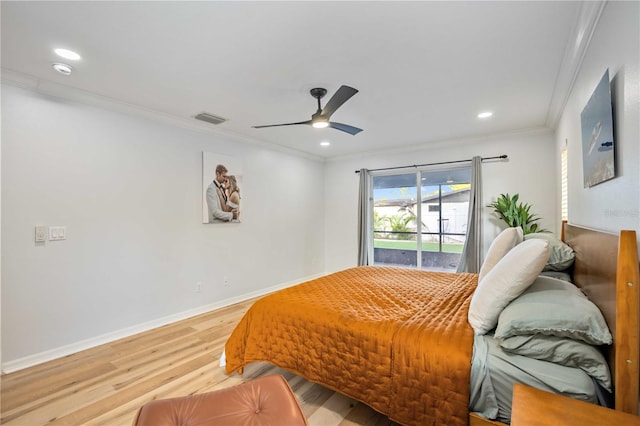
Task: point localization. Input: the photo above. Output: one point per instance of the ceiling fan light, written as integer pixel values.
(320, 124)
(63, 69)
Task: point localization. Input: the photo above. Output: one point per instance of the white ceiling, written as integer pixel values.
(424, 69)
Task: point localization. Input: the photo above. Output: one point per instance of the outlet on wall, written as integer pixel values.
(225, 281)
(198, 286)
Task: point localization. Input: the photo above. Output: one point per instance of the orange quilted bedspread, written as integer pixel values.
(396, 339)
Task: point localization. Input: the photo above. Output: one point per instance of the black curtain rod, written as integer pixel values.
(497, 157)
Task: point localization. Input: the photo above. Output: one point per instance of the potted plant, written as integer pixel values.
(516, 214)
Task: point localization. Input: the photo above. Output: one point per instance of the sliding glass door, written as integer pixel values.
(395, 226)
(420, 218)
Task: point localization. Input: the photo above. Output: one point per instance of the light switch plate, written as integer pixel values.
(57, 233)
(41, 234)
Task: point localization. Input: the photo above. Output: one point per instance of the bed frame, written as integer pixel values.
(606, 269)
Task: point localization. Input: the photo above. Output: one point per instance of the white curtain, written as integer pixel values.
(470, 261)
(365, 257)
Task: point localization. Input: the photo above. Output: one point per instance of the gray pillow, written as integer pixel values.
(559, 350)
(561, 256)
(557, 274)
(555, 308)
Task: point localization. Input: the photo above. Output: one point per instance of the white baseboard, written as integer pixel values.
(39, 358)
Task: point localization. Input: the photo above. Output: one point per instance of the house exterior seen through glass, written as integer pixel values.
(429, 234)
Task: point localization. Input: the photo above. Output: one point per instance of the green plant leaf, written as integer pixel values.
(515, 213)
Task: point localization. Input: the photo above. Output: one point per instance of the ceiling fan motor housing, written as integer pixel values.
(318, 92)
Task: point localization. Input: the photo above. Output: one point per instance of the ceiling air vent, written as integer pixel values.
(210, 118)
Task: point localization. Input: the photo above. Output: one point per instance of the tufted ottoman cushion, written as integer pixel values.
(265, 401)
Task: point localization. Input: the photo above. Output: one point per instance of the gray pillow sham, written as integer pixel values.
(559, 350)
(561, 256)
(557, 274)
(554, 308)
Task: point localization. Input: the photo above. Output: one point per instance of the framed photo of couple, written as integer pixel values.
(221, 183)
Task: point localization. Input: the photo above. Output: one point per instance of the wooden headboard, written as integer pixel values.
(606, 269)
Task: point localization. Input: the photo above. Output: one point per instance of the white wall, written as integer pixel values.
(529, 171)
(128, 189)
(614, 204)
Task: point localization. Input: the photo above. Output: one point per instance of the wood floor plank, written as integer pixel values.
(148, 340)
(333, 411)
(46, 411)
(17, 393)
(97, 354)
(361, 414)
(108, 384)
(111, 402)
(115, 378)
(196, 382)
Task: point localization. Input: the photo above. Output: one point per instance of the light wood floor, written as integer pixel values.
(106, 385)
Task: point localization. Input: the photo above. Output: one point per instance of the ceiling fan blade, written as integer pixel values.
(285, 124)
(342, 95)
(345, 128)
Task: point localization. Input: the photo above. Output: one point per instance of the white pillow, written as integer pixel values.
(505, 241)
(511, 276)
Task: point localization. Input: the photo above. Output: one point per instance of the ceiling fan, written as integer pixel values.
(321, 117)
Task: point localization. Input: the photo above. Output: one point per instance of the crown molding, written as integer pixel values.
(50, 88)
(574, 53)
(17, 79)
(447, 143)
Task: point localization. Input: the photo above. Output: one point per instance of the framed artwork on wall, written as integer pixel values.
(221, 183)
(598, 161)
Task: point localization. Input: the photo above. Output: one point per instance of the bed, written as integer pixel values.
(400, 340)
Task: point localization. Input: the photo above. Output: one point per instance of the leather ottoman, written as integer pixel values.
(264, 401)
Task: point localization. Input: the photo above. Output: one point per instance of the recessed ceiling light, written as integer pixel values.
(67, 54)
(325, 143)
(485, 114)
(63, 69)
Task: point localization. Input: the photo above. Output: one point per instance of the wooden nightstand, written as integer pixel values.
(534, 407)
